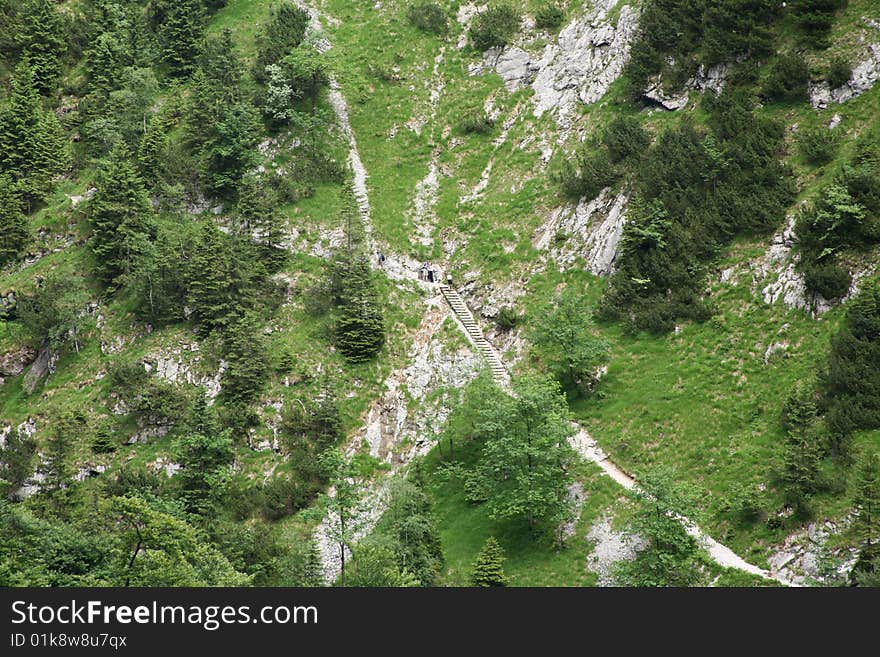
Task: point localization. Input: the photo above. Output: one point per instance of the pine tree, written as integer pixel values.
(865, 528)
(32, 147)
(152, 147)
(43, 43)
(255, 214)
(59, 449)
(104, 62)
(211, 290)
(181, 34)
(488, 569)
(284, 32)
(222, 67)
(16, 460)
(312, 570)
(802, 451)
(248, 359)
(121, 216)
(13, 224)
(360, 327)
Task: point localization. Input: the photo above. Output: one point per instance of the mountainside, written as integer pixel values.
(394, 294)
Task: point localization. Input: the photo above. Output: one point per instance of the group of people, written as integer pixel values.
(427, 272)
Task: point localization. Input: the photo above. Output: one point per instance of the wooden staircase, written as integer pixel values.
(464, 315)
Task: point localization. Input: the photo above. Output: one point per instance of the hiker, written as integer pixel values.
(449, 279)
(381, 259)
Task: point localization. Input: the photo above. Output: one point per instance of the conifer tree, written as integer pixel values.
(43, 43)
(488, 569)
(360, 327)
(865, 528)
(151, 149)
(284, 32)
(255, 215)
(212, 293)
(13, 225)
(32, 148)
(802, 452)
(181, 33)
(247, 355)
(16, 460)
(104, 62)
(121, 216)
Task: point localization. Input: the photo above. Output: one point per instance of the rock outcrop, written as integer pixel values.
(863, 77)
(590, 230)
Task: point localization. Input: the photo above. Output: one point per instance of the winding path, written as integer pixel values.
(405, 269)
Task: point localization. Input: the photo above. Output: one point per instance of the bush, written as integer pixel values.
(507, 318)
(478, 123)
(428, 16)
(839, 72)
(788, 79)
(549, 17)
(827, 279)
(818, 145)
(588, 175)
(494, 27)
(624, 138)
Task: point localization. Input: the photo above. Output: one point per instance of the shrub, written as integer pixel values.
(624, 138)
(428, 16)
(828, 279)
(477, 122)
(507, 318)
(494, 27)
(788, 79)
(839, 72)
(549, 17)
(818, 145)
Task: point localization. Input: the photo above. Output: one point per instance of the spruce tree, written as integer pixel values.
(181, 34)
(865, 528)
(16, 460)
(211, 293)
(248, 359)
(43, 43)
(802, 450)
(255, 214)
(360, 327)
(32, 149)
(13, 225)
(122, 218)
(488, 569)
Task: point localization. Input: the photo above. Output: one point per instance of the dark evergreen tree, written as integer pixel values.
(865, 528)
(43, 43)
(14, 234)
(285, 30)
(802, 450)
(32, 149)
(180, 33)
(59, 450)
(16, 460)
(201, 457)
(488, 569)
(360, 327)
(248, 359)
(121, 216)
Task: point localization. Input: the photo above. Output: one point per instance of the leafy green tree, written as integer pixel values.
(522, 471)
(154, 547)
(413, 535)
(788, 79)
(670, 556)
(565, 338)
(16, 460)
(488, 569)
(56, 313)
(851, 379)
(121, 216)
(344, 504)
(14, 234)
(374, 565)
(180, 33)
(32, 144)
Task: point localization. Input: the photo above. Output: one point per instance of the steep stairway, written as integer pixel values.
(466, 318)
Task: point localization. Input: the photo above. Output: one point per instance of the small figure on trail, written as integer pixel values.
(449, 279)
(430, 275)
(381, 259)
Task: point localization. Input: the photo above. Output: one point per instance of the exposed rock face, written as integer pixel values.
(863, 78)
(15, 362)
(799, 559)
(711, 78)
(590, 230)
(588, 57)
(174, 367)
(776, 274)
(43, 365)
